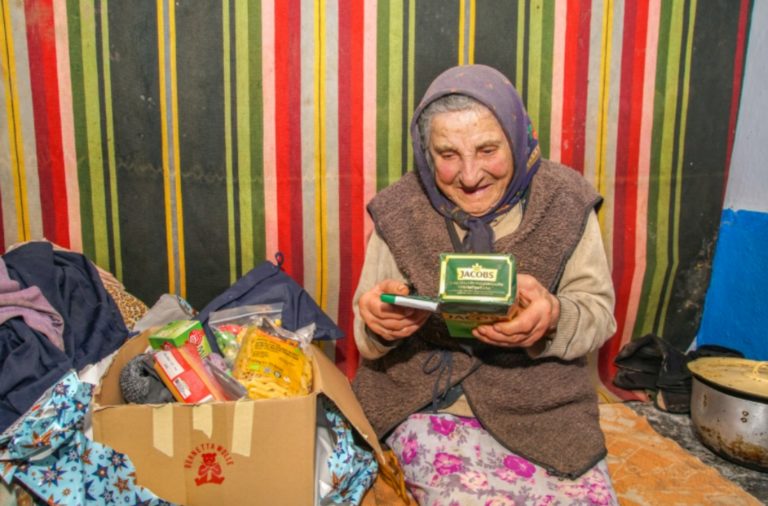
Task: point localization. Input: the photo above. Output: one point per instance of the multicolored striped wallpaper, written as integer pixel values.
(178, 143)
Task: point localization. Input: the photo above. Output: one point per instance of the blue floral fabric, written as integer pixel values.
(47, 452)
(352, 467)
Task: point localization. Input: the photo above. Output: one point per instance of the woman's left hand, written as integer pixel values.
(534, 315)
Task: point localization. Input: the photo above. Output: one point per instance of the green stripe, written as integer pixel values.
(258, 220)
(658, 198)
(117, 265)
(666, 161)
(644, 321)
(382, 95)
(227, 55)
(543, 125)
(78, 116)
(520, 58)
(411, 75)
(678, 168)
(93, 132)
(534, 61)
(242, 81)
(395, 90)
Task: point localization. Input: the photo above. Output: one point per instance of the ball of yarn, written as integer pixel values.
(140, 383)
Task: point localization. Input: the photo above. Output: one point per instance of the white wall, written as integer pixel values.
(748, 177)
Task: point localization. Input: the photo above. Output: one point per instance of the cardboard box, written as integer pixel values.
(245, 452)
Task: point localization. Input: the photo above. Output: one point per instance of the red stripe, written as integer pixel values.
(357, 216)
(45, 104)
(581, 85)
(738, 69)
(627, 160)
(351, 205)
(288, 136)
(345, 178)
(281, 132)
(294, 138)
(569, 80)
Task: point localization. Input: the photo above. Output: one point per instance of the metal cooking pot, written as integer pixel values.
(729, 408)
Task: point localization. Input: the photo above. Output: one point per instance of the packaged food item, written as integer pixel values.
(184, 373)
(228, 324)
(272, 363)
(178, 332)
(476, 289)
(233, 389)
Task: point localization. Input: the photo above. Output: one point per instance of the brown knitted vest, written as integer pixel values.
(545, 410)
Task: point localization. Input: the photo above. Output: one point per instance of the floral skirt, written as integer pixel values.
(452, 460)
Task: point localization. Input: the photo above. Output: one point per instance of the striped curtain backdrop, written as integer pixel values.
(178, 143)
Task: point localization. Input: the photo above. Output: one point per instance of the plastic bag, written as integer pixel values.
(228, 324)
(272, 362)
(267, 283)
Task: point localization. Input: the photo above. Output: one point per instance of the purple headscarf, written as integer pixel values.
(492, 89)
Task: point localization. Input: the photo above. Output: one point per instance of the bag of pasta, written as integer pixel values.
(272, 362)
(227, 325)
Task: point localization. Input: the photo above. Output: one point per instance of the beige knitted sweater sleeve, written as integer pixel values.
(586, 294)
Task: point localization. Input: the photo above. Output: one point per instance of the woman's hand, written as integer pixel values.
(389, 321)
(534, 315)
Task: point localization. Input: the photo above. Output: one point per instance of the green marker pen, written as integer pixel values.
(413, 301)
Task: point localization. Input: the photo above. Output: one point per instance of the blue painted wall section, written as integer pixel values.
(736, 306)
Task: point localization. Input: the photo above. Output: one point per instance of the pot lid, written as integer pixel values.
(746, 376)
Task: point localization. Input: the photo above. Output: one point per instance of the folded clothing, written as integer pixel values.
(93, 325)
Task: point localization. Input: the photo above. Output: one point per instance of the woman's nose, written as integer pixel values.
(471, 172)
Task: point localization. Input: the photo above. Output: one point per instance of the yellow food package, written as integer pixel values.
(271, 366)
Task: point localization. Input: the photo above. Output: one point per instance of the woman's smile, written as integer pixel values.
(472, 159)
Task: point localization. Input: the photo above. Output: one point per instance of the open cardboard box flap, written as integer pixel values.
(259, 452)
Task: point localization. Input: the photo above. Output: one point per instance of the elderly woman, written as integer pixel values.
(511, 416)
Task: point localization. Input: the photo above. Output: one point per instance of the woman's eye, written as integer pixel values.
(448, 155)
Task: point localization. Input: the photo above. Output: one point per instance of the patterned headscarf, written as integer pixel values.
(489, 87)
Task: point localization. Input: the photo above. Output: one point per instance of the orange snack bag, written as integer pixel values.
(183, 372)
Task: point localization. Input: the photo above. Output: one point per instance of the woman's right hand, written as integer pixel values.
(389, 321)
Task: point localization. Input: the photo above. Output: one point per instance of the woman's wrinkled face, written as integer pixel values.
(472, 159)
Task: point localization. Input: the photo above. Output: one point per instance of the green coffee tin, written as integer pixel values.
(475, 289)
